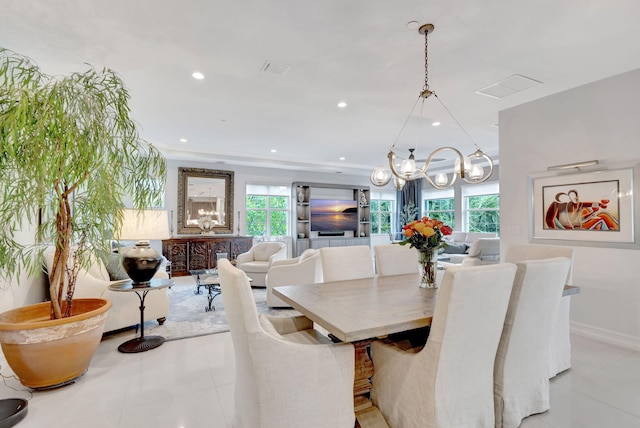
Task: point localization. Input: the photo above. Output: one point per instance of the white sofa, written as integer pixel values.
(125, 312)
(302, 270)
(481, 251)
(257, 261)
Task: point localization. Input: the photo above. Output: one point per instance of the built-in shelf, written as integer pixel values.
(304, 238)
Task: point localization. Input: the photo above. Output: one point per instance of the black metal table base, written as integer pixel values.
(141, 344)
(214, 291)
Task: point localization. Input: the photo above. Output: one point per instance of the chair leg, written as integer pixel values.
(161, 320)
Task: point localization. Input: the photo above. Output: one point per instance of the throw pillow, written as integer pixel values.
(456, 248)
(114, 267)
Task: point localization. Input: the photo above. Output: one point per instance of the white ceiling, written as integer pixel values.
(359, 51)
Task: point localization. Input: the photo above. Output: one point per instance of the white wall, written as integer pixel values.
(596, 121)
(26, 290)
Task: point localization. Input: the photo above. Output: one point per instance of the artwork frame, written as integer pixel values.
(595, 206)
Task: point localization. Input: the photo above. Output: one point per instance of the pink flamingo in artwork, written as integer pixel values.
(576, 214)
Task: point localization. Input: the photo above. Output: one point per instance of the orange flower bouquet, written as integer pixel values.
(427, 236)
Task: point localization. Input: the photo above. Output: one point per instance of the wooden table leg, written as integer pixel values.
(366, 414)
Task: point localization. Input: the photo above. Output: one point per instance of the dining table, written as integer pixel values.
(361, 310)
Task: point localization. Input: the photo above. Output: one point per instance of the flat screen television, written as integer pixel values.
(333, 215)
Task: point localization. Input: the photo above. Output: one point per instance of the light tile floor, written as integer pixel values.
(189, 383)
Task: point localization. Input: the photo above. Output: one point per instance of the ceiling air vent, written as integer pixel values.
(275, 68)
(508, 86)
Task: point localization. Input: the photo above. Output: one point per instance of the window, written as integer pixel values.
(382, 212)
(482, 208)
(267, 210)
(440, 205)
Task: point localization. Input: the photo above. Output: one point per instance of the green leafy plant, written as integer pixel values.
(69, 155)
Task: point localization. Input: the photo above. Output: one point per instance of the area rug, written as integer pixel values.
(187, 315)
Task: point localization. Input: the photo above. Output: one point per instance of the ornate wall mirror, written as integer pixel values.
(205, 201)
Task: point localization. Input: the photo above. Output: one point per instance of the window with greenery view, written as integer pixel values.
(483, 213)
(267, 214)
(381, 214)
(441, 209)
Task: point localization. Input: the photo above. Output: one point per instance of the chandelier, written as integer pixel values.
(474, 168)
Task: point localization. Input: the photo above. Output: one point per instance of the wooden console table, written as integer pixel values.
(196, 252)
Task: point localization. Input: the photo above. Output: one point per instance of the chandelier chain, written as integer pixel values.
(426, 61)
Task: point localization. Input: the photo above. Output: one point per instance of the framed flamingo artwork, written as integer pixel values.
(594, 207)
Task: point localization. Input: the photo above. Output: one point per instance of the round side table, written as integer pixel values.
(142, 343)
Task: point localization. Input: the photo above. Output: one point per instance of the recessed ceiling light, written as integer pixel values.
(273, 150)
(342, 158)
(435, 124)
(413, 25)
(197, 75)
(342, 104)
(183, 140)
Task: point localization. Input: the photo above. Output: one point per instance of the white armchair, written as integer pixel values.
(301, 270)
(257, 261)
(125, 312)
(287, 374)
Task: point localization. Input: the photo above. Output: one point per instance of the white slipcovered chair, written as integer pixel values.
(395, 259)
(257, 261)
(560, 351)
(521, 376)
(125, 312)
(287, 374)
(345, 263)
(301, 270)
(449, 382)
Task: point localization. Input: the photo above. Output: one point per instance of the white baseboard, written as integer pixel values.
(606, 336)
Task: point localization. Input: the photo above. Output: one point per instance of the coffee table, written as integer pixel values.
(207, 278)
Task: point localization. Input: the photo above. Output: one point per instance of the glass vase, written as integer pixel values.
(428, 267)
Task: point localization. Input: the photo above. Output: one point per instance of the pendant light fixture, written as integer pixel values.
(474, 168)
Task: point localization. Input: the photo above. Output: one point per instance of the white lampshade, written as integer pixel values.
(145, 224)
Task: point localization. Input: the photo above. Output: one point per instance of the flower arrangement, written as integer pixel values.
(425, 234)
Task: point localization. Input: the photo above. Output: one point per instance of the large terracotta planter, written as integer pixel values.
(45, 353)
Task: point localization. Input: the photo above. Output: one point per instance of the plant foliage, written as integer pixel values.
(69, 155)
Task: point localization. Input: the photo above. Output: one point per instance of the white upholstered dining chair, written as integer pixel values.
(449, 382)
(345, 263)
(521, 380)
(560, 347)
(395, 259)
(287, 374)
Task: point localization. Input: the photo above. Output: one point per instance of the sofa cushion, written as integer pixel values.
(255, 266)
(114, 267)
(454, 248)
(265, 250)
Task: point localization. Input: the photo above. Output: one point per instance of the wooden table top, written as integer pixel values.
(364, 308)
(367, 308)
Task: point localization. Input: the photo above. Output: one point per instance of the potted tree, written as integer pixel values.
(69, 155)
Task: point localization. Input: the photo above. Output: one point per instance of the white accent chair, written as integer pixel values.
(560, 352)
(302, 270)
(125, 312)
(345, 263)
(257, 261)
(449, 382)
(287, 374)
(395, 259)
(521, 373)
